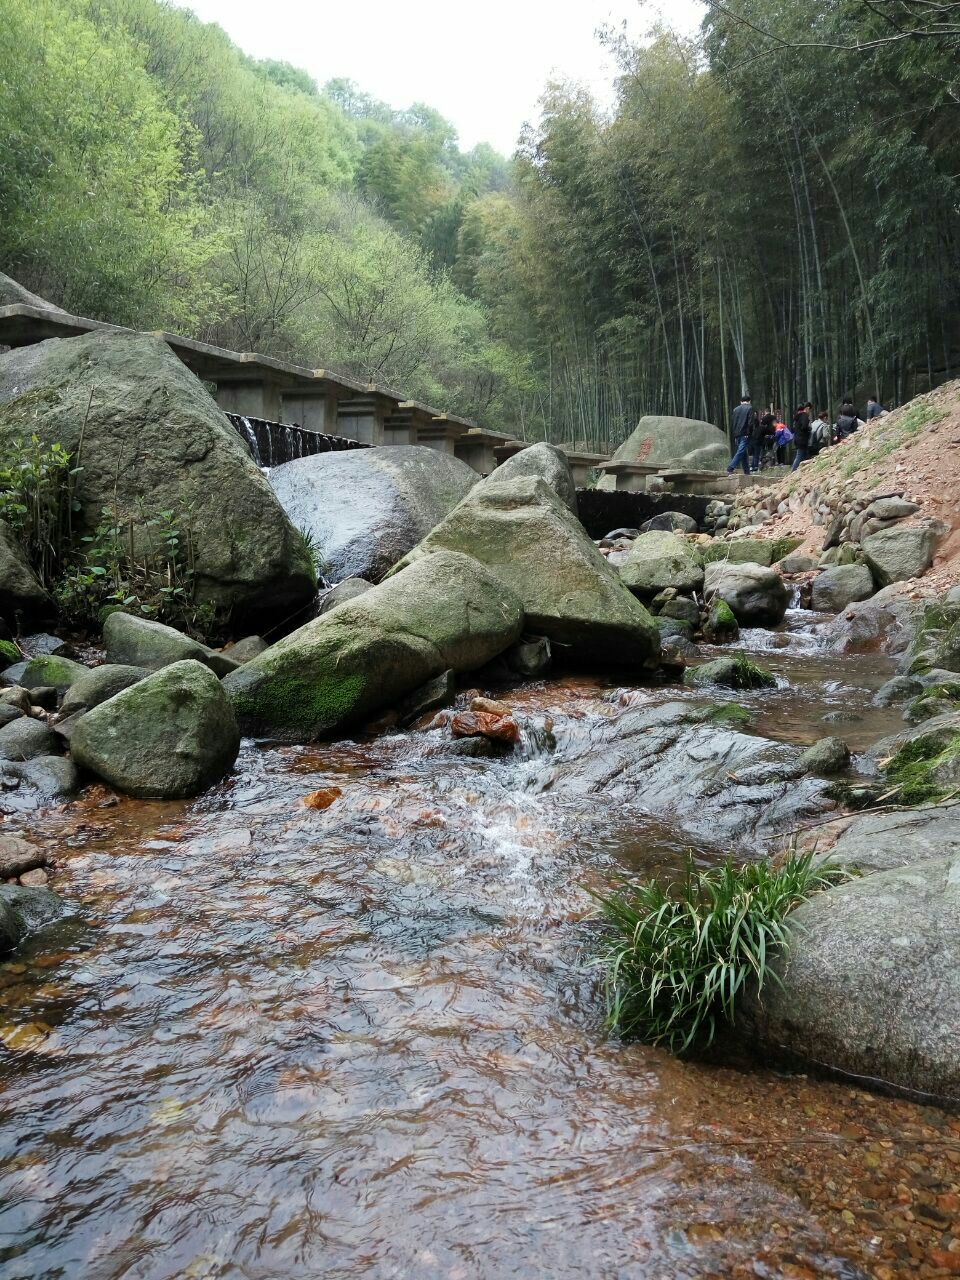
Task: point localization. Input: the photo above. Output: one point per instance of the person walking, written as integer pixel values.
(760, 437)
(744, 416)
(821, 433)
(782, 437)
(801, 435)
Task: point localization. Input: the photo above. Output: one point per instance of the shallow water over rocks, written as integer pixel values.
(363, 1038)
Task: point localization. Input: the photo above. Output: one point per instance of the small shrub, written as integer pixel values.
(676, 960)
(38, 501)
(9, 653)
(752, 676)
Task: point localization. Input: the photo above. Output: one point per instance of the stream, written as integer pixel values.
(366, 1040)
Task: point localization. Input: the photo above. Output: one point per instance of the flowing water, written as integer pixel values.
(364, 1038)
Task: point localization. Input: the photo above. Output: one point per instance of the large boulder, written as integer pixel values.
(549, 463)
(675, 443)
(844, 584)
(533, 543)
(758, 596)
(140, 642)
(897, 554)
(364, 509)
(20, 592)
(98, 685)
(659, 559)
(870, 979)
(672, 521)
(884, 841)
(153, 440)
(168, 737)
(444, 612)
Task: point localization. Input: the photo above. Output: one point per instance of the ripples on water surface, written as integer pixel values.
(363, 1041)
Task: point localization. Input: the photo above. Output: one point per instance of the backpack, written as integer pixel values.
(821, 433)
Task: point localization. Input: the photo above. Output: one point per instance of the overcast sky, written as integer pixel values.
(483, 66)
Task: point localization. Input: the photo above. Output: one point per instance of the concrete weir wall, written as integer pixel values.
(602, 510)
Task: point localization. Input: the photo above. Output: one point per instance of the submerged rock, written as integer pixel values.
(732, 673)
(444, 611)
(154, 440)
(169, 736)
(870, 979)
(522, 532)
(23, 911)
(707, 776)
(365, 508)
(757, 596)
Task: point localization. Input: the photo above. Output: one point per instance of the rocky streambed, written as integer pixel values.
(337, 1016)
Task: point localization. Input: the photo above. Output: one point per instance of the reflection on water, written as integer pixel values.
(364, 1041)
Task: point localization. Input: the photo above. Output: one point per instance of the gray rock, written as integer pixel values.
(9, 713)
(17, 856)
(548, 463)
(876, 625)
(616, 534)
(25, 738)
(898, 689)
(444, 611)
(137, 642)
(346, 590)
(683, 609)
(891, 509)
(797, 563)
(43, 644)
(952, 597)
(167, 737)
(670, 628)
(436, 693)
(748, 550)
(870, 980)
(529, 657)
(44, 697)
(23, 911)
(729, 673)
(154, 440)
(828, 756)
(658, 560)
(521, 531)
(20, 592)
(671, 522)
(757, 595)
(247, 648)
(97, 685)
(883, 841)
(844, 584)
(16, 697)
(44, 780)
(895, 555)
(364, 509)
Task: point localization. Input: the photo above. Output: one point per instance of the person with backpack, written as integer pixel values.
(848, 420)
(782, 437)
(801, 435)
(821, 433)
(742, 423)
(761, 436)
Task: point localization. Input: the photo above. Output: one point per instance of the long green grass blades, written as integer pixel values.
(676, 959)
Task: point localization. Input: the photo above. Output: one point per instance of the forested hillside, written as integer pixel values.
(772, 204)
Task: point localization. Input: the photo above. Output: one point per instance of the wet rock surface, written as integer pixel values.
(756, 595)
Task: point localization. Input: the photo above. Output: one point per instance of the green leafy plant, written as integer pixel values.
(38, 501)
(924, 770)
(677, 959)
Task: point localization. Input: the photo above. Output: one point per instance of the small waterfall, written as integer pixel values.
(273, 443)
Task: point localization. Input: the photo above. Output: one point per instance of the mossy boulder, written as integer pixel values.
(721, 626)
(98, 685)
(923, 765)
(154, 440)
(443, 612)
(167, 737)
(522, 532)
(829, 755)
(732, 673)
(546, 462)
(660, 559)
(50, 672)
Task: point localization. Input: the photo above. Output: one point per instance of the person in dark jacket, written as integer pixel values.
(761, 436)
(801, 435)
(742, 423)
(874, 408)
(848, 420)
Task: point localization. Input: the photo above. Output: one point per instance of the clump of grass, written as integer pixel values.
(752, 676)
(783, 546)
(677, 959)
